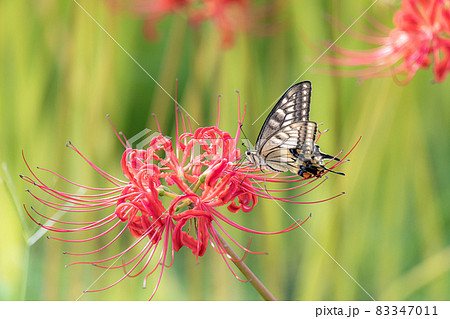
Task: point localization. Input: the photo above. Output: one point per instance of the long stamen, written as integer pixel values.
(160, 194)
(176, 117)
(115, 132)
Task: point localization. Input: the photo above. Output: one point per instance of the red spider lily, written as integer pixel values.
(168, 199)
(420, 38)
(229, 16)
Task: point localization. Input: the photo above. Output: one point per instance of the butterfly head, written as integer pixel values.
(253, 157)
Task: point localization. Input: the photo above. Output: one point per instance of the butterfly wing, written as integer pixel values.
(293, 107)
(286, 141)
(295, 141)
(287, 131)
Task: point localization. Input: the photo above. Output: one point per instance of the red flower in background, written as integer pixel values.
(168, 199)
(420, 38)
(229, 16)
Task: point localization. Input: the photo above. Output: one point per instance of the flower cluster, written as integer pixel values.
(229, 16)
(168, 199)
(420, 38)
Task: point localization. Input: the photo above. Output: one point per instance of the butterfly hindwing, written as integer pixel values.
(277, 149)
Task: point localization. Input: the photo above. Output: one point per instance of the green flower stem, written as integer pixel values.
(259, 286)
(201, 180)
(263, 291)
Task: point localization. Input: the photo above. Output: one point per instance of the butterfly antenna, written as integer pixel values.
(246, 138)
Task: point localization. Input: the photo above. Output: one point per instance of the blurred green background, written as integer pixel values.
(61, 74)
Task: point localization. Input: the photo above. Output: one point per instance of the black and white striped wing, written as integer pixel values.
(287, 138)
(293, 107)
(281, 151)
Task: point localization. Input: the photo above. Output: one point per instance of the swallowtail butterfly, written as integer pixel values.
(286, 141)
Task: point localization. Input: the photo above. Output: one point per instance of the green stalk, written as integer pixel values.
(256, 283)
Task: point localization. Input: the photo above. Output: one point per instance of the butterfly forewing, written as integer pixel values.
(306, 136)
(293, 107)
